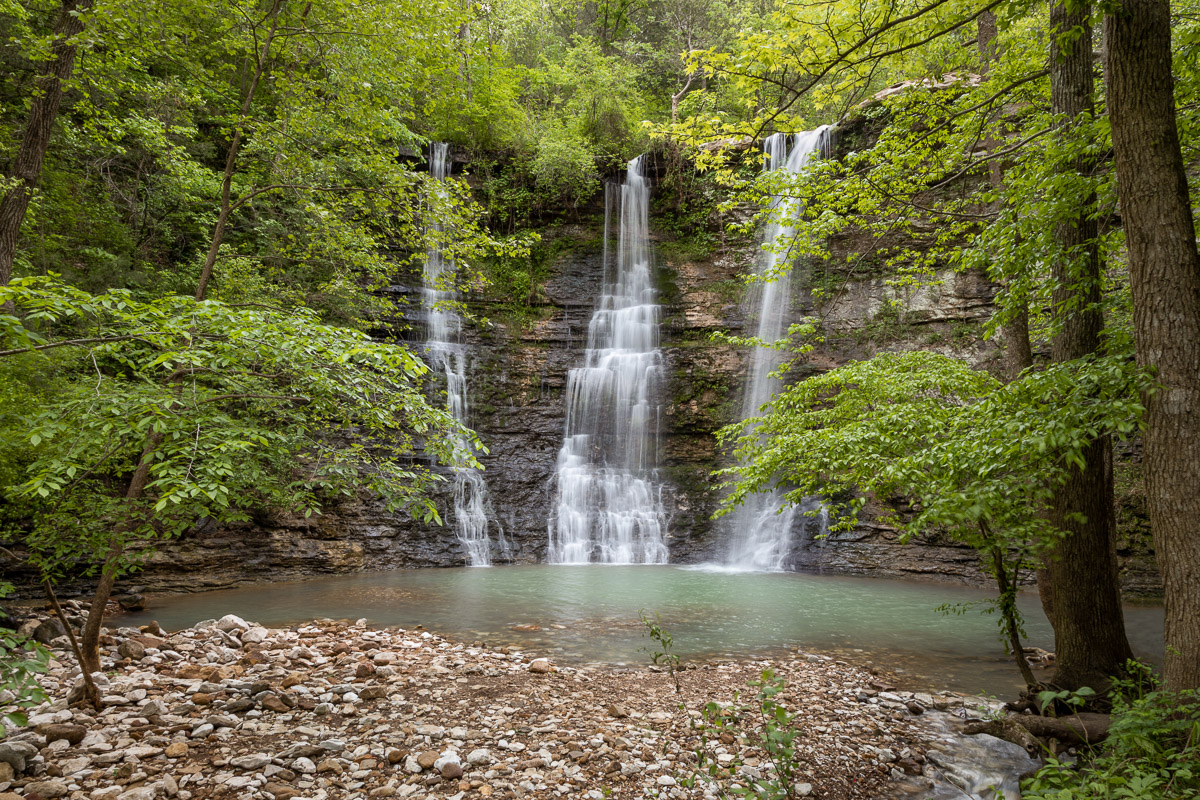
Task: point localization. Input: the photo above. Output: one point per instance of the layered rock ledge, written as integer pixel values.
(336, 710)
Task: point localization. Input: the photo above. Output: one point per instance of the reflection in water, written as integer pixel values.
(590, 613)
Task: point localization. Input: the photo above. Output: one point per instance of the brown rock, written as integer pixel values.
(253, 657)
(618, 711)
(451, 771)
(294, 679)
(427, 758)
(273, 703)
(340, 648)
(282, 791)
(364, 670)
(329, 765)
(202, 698)
(193, 671)
(131, 649)
(540, 666)
(486, 791)
(132, 602)
(373, 693)
(395, 756)
(177, 750)
(72, 733)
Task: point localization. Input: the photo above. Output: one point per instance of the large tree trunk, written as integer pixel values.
(1165, 278)
(1089, 628)
(27, 166)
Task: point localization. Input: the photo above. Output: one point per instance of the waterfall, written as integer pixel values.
(761, 527)
(608, 507)
(447, 352)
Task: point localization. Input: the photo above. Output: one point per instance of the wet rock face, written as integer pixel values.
(517, 383)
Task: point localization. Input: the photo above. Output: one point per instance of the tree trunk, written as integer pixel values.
(1089, 628)
(89, 638)
(1164, 274)
(27, 166)
(235, 144)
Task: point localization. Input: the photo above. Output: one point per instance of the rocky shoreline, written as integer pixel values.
(331, 709)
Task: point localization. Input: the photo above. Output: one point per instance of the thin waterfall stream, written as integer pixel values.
(447, 352)
(608, 507)
(761, 528)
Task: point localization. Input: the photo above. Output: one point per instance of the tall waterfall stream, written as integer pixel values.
(760, 530)
(608, 507)
(447, 352)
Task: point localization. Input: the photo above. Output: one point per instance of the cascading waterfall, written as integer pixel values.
(447, 351)
(761, 527)
(609, 506)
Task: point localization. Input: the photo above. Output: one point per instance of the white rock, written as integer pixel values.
(232, 622)
(479, 757)
(255, 635)
(304, 766)
(140, 793)
(251, 761)
(449, 757)
(665, 780)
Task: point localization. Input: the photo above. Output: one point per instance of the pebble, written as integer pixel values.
(324, 711)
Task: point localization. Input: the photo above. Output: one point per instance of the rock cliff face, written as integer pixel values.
(517, 381)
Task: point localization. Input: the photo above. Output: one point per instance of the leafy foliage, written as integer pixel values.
(766, 725)
(1152, 752)
(21, 661)
(234, 408)
(928, 428)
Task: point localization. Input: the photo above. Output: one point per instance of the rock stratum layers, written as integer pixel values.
(518, 371)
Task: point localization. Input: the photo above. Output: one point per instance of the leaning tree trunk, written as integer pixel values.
(27, 166)
(1164, 274)
(1089, 628)
(89, 638)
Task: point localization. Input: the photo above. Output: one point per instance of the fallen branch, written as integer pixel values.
(1025, 730)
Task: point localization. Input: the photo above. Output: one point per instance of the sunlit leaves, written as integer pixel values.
(235, 408)
(928, 429)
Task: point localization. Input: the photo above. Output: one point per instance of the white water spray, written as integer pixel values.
(609, 507)
(447, 351)
(761, 528)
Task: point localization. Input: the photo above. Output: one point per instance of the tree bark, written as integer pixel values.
(89, 638)
(91, 693)
(1164, 274)
(1089, 627)
(1021, 729)
(35, 140)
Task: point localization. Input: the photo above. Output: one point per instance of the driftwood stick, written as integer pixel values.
(1007, 729)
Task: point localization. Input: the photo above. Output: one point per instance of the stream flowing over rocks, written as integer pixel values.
(332, 710)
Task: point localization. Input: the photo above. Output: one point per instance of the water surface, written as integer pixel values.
(590, 614)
